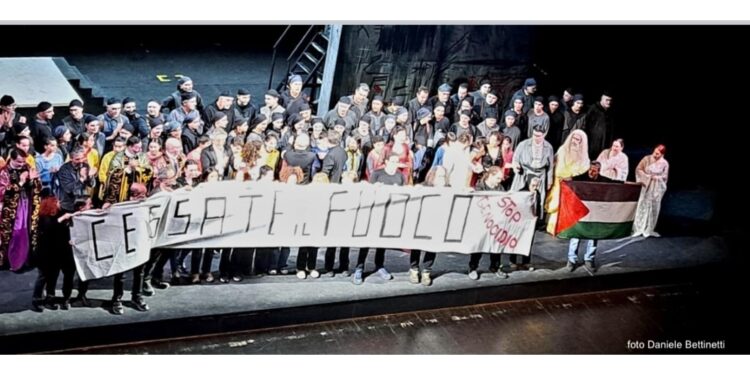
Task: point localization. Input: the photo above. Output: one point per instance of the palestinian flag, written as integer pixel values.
(596, 210)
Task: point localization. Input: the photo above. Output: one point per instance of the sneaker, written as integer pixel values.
(345, 272)
(148, 290)
(237, 278)
(357, 279)
(329, 274)
(474, 275)
(65, 305)
(49, 304)
(301, 275)
(570, 266)
(224, 279)
(384, 274)
(501, 274)
(273, 272)
(37, 306)
(590, 266)
(159, 284)
(426, 279)
(195, 279)
(414, 276)
(314, 274)
(284, 271)
(117, 308)
(140, 305)
(209, 277)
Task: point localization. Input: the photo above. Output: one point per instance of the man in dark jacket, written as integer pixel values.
(526, 94)
(556, 122)
(335, 160)
(173, 101)
(75, 176)
(243, 106)
(443, 97)
(223, 105)
(599, 126)
(139, 122)
(41, 128)
(74, 122)
(301, 157)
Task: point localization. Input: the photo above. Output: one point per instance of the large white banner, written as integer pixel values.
(241, 215)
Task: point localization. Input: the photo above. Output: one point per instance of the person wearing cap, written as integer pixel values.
(112, 121)
(440, 122)
(271, 99)
(600, 126)
(187, 109)
(342, 112)
(420, 101)
(490, 124)
(359, 100)
(305, 112)
(567, 99)
(537, 117)
(74, 121)
(376, 113)
(93, 126)
(243, 106)
(484, 88)
(443, 97)
(389, 122)
(190, 134)
(575, 117)
(526, 94)
(460, 95)
(258, 128)
(220, 122)
(394, 105)
(465, 105)
(239, 131)
(363, 135)
(522, 121)
(335, 159)
(140, 126)
(173, 101)
(221, 107)
(556, 121)
(534, 157)
(490, 103)
(511, 130)
(292, 98)
(464, 125)
(41, 127)
(154, 115)
(424, 129)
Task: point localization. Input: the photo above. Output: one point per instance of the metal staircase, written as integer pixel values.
(307, 59)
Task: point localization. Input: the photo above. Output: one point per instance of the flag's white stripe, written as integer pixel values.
(609, 212)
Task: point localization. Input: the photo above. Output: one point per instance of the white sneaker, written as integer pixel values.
(314, 274)
(301, 275)
(474, 275)
(414, 276)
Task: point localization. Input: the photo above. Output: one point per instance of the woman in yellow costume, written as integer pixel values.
(571, 160)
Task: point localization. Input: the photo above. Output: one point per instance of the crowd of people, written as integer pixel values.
(51, 170)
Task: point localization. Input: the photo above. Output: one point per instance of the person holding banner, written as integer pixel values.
(592, 175)
(126, 168)
(491, 181)
(652, 173)
(389, 175)
(436, 177)
(54, 255)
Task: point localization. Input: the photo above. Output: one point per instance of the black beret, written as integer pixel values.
(399, 100)
(43, 106)
(277, 116)
(7, 100)
(304, 107)
(339, 122)
(243, 92)
(345, 100)
(88, 118)
(225, 93)
(75, 103)
(366, 119)
(185, 96)
(273, 93)
(553, 98)
(155, 121)
(539, 99)
(128, 100)
(258, 119)
(113, 100)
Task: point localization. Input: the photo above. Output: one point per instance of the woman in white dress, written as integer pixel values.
(651, 173)
(614, 161)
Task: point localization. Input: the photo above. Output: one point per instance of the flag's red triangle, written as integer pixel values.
(571, 210)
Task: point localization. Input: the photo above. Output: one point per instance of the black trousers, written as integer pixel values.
(207, 255)
(494, 261)
(379, 258)
(136, 290)
(244, 261)
(331, 258)
(429, 260)
(307, 258)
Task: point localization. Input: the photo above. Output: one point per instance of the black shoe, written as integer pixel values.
(224, 280)
(590, 266)
(148, 290)
(570, 266)
(36, 306)
(237, 278)
(140, 305)
(117, 308)
(84, 301)
(65, 305)
(159, 284)
(49, 304)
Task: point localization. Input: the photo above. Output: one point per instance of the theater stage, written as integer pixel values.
(273, 301)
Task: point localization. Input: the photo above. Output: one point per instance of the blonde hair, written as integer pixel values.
(320, 178)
